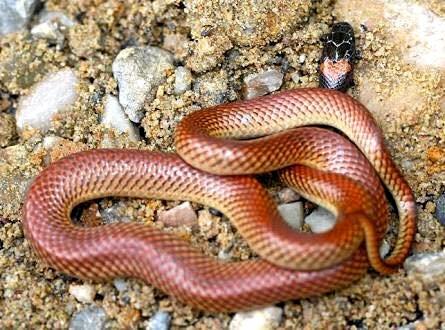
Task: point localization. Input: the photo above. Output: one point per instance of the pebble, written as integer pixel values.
(90, 318)
(52, 27)
(15, 14)
(440, 209)
(293, 214)
(384, 248)
(288, 195)
(262, 319)
(139, 71)
(84, 293)
(320, 220)
(160, 321)
(181, 215)
(55, 94)
(427, 265)
(115, 117)
(183, 80)
(120, 284)
(259, 84)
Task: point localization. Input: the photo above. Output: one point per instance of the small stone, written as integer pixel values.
(159, 321)
(288, 195)
(55, 94)
(90, 318)
(293, 214)
(259, 84)
(302, 58)
(52, 27)
(49, 31)
(183, 80)
(120, 284)
(320, 220)
(262, 319)
(440, 209)
(295, 77)
(83, 293)
(139, 71)
(115, 117)
(384, 249)
(181, 215)
(15, 14)
(426, 264)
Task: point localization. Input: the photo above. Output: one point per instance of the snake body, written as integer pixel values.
(219, 149)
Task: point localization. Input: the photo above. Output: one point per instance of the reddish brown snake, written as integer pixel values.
(298, 264)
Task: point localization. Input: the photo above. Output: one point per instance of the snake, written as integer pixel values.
(218, 151)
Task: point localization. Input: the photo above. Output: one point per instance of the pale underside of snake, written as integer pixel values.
(321, 165)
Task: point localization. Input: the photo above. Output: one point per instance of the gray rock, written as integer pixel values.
(15, 14)
(293, 214)
(427, 265)
(440, 209)
(139, 71)
(259, 84)
(52, 26)
(288, 195)
(262, 319)
(114, 117)
(83, 293)
(384, 249)
(181, 215)
(320, 220)
(90, 318)
(183, 80)
(55, 94)
(120, 284)
(159, 321)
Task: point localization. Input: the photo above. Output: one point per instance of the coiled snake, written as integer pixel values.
(228, 143)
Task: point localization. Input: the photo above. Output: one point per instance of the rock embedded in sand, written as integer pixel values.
(115, 117)
(426, 265)
(288, 195)
(139, 71)
(320, 220)
(159, 321)
(259, 84)
(183, 80)
(262, 319)
(90, 318)
(55, 94)
(292, 213)
(83, 293)
(181, 215)
(52, 27)
(15, 14)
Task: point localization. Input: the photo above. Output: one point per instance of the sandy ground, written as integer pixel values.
(407, 99)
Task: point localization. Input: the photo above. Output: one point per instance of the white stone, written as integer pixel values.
(83, 293)
(259, 84)
(120, 284)
(320, 220)
(15, 14)
(183, 80)
(139, 71)
(427, 265)
(262, 319)
(115, 117)
(55, 94)
(293, 214)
